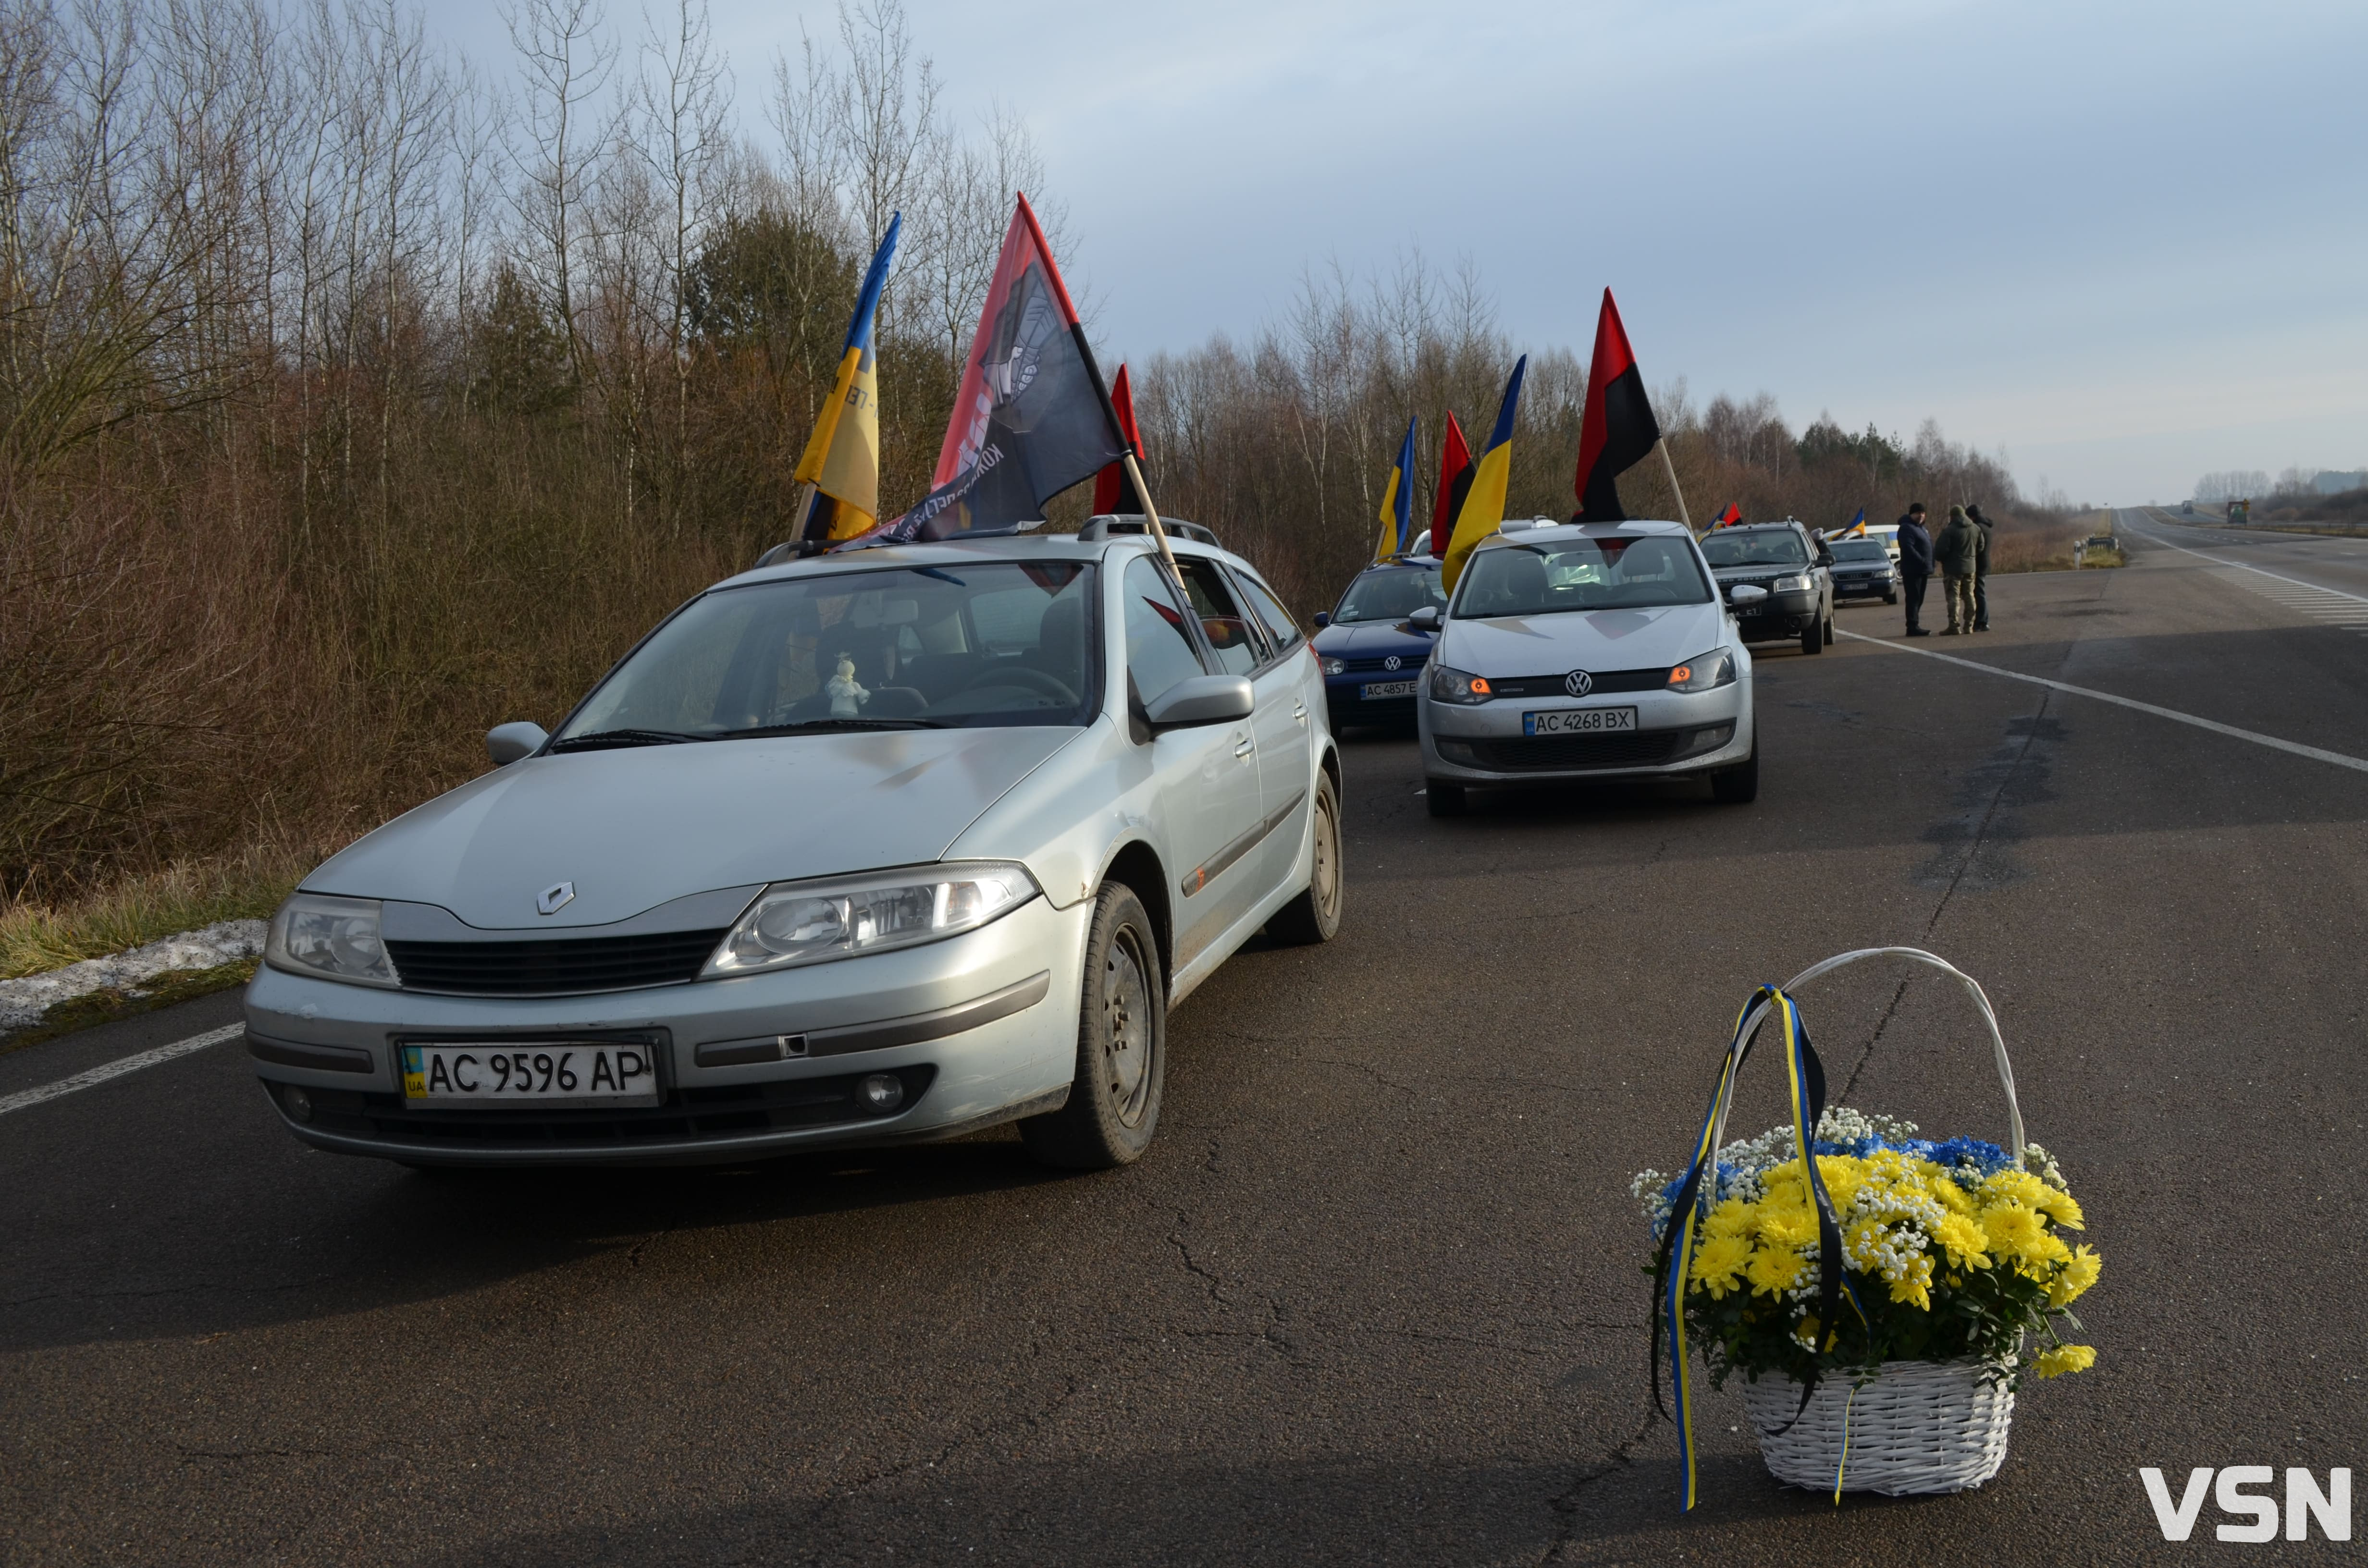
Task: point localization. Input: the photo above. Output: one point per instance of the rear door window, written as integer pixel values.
(1281, 631)
(1239, 649)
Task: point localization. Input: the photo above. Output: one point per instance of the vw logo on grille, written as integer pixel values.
(554, 898)
(1393, 661)
(1579, 682)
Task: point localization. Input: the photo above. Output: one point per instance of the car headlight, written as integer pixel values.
(839, 917)
(1455, 686)
(1704, 672)
(335, 938)
(1336, 666)
(1799, 585)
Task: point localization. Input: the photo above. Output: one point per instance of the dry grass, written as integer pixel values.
(144, 907)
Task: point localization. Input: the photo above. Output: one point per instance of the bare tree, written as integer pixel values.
(685, 98)
(565, 54)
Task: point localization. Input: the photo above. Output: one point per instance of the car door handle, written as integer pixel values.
(1243, 748)
(1299, 711)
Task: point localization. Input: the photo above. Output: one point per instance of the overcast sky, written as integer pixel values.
(2127, 243)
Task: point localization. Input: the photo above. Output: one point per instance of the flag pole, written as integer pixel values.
(1150, 512)
(1662, 447)
(804, 514)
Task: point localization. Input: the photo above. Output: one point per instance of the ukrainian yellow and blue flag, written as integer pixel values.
(1857, 525)
(842, 458)
(1397, 500)
(1483, 511)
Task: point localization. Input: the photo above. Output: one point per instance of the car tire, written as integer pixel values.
(1445, 799)
(1812, 636)
(1739, 785)
(1113, 1105)
(1891, 598)
(1829, 627)
(1315, 915)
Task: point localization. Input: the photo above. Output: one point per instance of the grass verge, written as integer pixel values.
(105, 1007)
(37, 935)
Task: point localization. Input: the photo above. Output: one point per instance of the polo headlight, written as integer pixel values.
(1336, 666)
(1798, 585)
(335, 938)
(1454, 686)
(1704, 672)
(839, 917)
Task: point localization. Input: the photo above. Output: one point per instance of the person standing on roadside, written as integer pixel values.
(1981, 571)
(1915, 566)
(1958, 553)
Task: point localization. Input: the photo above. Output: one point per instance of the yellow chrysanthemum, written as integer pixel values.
(2011, 1186)
(1787, 1219)
(1718, 1263)
(1773, 1269)
(1843, 1176)
(1731, 1217)
(2080, 1272)
(1948, 1194)
(1963, 1240)
(2065, 1358)
(1914, 1284)
(2012, 1230)
(2061, 1207)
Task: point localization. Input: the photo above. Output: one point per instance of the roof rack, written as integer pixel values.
(1109, 525)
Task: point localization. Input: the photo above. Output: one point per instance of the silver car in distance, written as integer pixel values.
(882, 845)
(1574, 652)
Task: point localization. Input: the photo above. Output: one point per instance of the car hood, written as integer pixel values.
(1372, 640)
(1584, 640)
(637, 827)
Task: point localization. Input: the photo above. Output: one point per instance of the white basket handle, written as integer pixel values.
(1973, 989)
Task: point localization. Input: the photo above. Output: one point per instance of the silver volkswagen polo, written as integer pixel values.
(1573, 653)
(880, 846)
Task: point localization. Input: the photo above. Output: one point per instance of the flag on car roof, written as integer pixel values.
(1113, 492)
(842, 456)
(1031, 416)
(1728, 518)
(1454, 483)
(1617, 428)
(1484, 505)
(1857, 525)
(1397, 500)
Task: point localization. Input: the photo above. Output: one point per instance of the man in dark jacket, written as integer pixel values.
(1958, 552)
(1981, 571)
(1915, 566)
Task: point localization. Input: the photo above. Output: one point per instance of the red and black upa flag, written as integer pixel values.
(1455, 472)
(1728, 518)
(1031, 416)
(1617, 428)
(1114, 493)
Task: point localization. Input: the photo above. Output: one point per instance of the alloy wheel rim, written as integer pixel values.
(1126, 1029)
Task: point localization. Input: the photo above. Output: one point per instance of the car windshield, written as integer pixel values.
(1772, 547)
(964, 646)
(1608, 571)
(1860, 550)
(1390, 593)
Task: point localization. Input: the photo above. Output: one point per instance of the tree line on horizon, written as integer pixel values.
(354, 399)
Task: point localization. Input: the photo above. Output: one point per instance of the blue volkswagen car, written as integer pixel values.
(1372, 660)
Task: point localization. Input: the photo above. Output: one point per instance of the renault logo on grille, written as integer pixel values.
(1393, 661)
(554, 898)
(1579, 682)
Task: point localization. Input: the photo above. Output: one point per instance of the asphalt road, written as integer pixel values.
(1373, 1296)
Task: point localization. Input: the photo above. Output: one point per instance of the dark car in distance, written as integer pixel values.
(1862, 570)
(1371, 659)
(1792, 569)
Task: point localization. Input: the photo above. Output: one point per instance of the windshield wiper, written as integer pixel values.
(814, 726)
(607, 740)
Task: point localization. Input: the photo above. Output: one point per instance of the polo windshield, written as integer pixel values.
(1391, 593)
(1605, 572)
(962, 645)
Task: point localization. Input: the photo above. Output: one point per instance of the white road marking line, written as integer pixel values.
(2358, 764)
(2273, 576)
(25, 1099)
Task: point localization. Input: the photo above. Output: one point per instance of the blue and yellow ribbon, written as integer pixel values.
(1673, 1265)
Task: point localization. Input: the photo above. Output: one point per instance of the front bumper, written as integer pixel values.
(980, 1029)
(1678, 735)
(1865, 587)
(1778, 615)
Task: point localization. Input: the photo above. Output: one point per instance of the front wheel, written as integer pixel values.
(1812, 636)
(1315, 915)
(1739, 785)
(1829, 627)
(1113, 1105)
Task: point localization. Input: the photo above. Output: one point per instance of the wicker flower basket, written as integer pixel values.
(1915, 1426)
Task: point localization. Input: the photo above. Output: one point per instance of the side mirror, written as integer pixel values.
(1745, 593)
(1425, 620)
(1202, 700)
(1322, 620)
(508, 743)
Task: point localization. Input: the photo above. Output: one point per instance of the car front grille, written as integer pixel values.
(553, 966)
(688, 1115)
(1408, 665)
(1641, 748)
(1652, 679)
